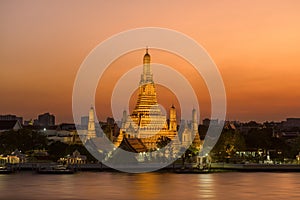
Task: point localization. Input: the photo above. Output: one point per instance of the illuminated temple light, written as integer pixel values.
(147, 124)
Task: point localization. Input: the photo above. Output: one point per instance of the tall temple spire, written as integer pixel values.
(194, 120)
(173, 124)
(147, 76)
(196, 142)
(147, 122)
(91, 125)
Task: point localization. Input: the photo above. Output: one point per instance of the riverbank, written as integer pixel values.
(254, 167)
(176, 168)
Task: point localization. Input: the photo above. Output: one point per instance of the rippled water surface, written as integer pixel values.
(105, 185)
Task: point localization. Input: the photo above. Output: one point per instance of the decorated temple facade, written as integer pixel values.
(148, 123)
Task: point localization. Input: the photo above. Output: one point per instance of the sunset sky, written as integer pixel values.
(255, 45)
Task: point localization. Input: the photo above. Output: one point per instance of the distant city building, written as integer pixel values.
(7, 125)
(84, 121)
(64, 132)
(291, 123)
(11, 117)
(46, 120)
(36, 122)
(66, 127)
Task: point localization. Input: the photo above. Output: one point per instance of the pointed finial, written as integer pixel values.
(146, 49)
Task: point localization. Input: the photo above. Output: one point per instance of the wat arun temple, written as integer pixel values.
(147, 126)
(147, 129)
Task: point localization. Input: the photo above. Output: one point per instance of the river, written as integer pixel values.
(114, 185)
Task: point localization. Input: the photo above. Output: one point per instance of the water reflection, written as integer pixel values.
(147, 186)
(104, 185)
(206, 186)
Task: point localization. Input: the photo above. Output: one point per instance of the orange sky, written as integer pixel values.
(255, 45)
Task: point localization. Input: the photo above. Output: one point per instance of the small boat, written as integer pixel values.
(56, 169)
(5, 170)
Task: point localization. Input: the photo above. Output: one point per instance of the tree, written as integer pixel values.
(263, 139)
(294, 148)
(57, 150)
(230, 141)
(162, 142)
(23, 140)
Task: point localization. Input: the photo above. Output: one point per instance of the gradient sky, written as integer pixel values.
(255, 45)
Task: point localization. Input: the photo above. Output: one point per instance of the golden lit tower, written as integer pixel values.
(124, 119)
(147, 76)
(172, 123)
(194, 121)
(196, 142)
(147, 114)
(91, 125)
(146, 121)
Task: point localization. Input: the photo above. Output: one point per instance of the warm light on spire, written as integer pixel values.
(146, 77)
